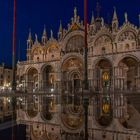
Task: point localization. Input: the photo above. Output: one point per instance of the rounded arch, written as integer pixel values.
(104, 63)
(45, 66)
(102, 35)
(75, 75)
(52, 47)
(32, 79)
(71, 34)
(103, 70)
(116, 63)
(67, 57)
(128, 69)
(31, 68)
(101, 59)
(126, 29)
(72, 77)
(48, 76)
(70, 43)
(102, 44)
(75, 44)
(38, 50)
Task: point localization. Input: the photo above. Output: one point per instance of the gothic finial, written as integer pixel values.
(115, 14)
(126, 17)
(36, 38)
(30, 35)
(51, 34)
(75, 12)
(92, 18)
(60, 27)
(102, 22)
(29, 41)
(44, 31)
(115, 22)
(44, 36)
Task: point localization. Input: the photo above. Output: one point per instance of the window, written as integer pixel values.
(37, 58)
(103, 50)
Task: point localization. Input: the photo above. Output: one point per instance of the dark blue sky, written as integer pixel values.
(35, 13)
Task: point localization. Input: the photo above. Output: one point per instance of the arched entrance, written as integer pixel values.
(103, 100)
(72, 72)
(32, 79)
(75, 81)
(48, 103)
(103, 73)
(48, 78)
(128, 71)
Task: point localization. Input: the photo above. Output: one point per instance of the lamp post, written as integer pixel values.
(85, 98)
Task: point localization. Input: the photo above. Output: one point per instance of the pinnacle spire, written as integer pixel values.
(36, 38)
(51, 34)
(115, 22)
(29, 40)
(126, 17)
(92, 18)
(60, 27)
(75, 12)
(115, 14)
(44, 31)
(44, 36)
(30, 35)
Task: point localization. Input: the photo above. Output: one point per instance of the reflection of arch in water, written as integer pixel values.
(104, 113)
(3, 104)
(72, 122)
(48, 107)
(32, 106)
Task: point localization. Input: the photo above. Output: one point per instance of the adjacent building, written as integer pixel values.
(5, 87)
(5, 76)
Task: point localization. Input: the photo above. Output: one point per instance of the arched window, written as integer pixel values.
(75, 44)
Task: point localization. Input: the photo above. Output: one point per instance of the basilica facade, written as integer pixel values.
(53, 74)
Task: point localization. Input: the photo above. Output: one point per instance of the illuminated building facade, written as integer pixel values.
(52, 78)
(5, 76)
(5, 86)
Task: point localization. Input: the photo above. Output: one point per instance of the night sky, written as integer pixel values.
(35, 14)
